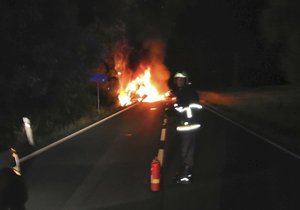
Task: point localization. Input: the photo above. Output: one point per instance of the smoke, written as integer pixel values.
(121, 53)
(155, 49)
(151, 54)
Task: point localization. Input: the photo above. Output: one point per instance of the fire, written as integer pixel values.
(140, 89)
(146, 80)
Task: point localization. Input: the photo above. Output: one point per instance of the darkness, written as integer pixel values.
(215, 40)
(49, 49)
(202, 43)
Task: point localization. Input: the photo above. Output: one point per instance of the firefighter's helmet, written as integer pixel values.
(180, 75)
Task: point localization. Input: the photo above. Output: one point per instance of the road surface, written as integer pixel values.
(107, 167)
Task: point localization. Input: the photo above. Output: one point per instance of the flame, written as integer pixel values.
(140, 89)
(147, 81)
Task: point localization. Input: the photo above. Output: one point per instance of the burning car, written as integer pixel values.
(140, 89)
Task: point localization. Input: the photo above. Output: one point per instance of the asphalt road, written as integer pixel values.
(107, 167)
(234, 170)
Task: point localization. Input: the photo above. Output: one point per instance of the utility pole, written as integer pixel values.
(98, 78)
(98, 99)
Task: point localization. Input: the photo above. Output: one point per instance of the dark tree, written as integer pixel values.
(281, 25)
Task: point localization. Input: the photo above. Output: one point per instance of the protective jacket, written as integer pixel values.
(187, 105)
(186, 96)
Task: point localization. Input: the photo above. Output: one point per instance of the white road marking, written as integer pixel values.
(211, 109)
(27, 157)
(161, 151)
(165, 121)
(163, 134)
(160, 156)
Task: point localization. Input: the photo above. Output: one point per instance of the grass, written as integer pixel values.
(23, 147)
(271, 111)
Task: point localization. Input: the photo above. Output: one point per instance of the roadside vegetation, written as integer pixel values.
(52, 134)
(50, 52)
(272, 111)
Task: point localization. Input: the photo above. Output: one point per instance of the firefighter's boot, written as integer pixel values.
(184, 176)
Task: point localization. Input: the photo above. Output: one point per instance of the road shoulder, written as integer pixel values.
(270, 111)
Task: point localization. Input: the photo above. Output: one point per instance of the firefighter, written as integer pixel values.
(186, 105)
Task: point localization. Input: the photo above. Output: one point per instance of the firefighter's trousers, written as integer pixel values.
(188, 146)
